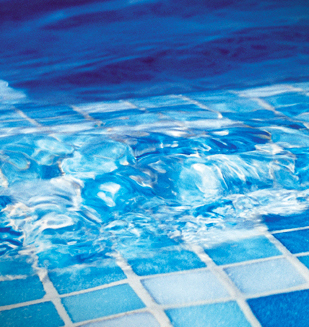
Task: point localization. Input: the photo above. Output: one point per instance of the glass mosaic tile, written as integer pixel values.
(296, 242)
(15, 266)
(304, 260)
(278, 222)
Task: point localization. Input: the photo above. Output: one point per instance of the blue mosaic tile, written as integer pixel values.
(226, 314)
(62, 120)
(21, 290)
(159, 101)
(78, 278)
(9, 115)
(265, 276)
(165, 261)
(39, 112)
(133, 320)
(37, 315)
(15, 266)
(105, 302)
(15, 123)
(278, 222)
(185, 288)
(243, 250)
(304, 260)
(295, 242)
(108, 106)
(284, 310)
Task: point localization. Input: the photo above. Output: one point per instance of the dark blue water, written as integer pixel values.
(87, 50)
(148, 173)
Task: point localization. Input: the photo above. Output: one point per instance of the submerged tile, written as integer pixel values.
(78, 278)
(265, 276)
(296, 242)
(36, 315)
(159, 101)
(133, 320)
(288, 309)
(243, 250)
(15, 266)
(164, 262)
(185, 288)
(21, 290)
(304, 260)
(278, 222)
(101, 303)
(226, 314)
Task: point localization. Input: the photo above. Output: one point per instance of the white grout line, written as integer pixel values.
(135, 283)
(87, 116)
(289, 230)
(232, 289)
(32, 121)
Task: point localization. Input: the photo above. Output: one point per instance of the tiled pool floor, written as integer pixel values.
(261, 279)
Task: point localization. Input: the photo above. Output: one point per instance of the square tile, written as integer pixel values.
(107, 106)
(304, 260)
(284, 310)
(265, 276)
(17, 265)
(295, 242)
(162, 262)
(21, 290)
(185, 288)
(101, 303)
(37, 315)
(134, 320)
(159, 101)
(226, 314)
(242, 250)
(278, 222)
(78, 278)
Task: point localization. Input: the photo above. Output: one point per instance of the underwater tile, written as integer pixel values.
(133, 320)
(295, 242)
(21, 290)
(62, 120)
(287, 309)
(242, 250)
(278, 222)
(15, 123)
(108, 106)
(159, 101)
(304, 260)
(36, 315)
(164, 262)
(15, 266)
(226, 314)
(265, 276)
(79, 278)
(185, 288)
(265, 91)
(101, 303)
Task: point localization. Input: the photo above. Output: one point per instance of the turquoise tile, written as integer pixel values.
(159, 101)
(21, 290)
(133, 320)
(296, 242)
(278, 222)
(185, 288)
(36, 315)
(304, 260)
(226, 314)
(79, 278)
(282, 310)
(165, 261)
(270, 275)
(242, 250)
(101, 303)
(16, 265)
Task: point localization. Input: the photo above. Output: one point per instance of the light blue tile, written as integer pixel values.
(212, 315)
(304, 260)
(265, 276)
(243, 250)
(133, 320)
(78, 278)
(185, 288)
(101, 303)
(107, 106)
(158, 101)
(21, 290)
(37, 315)
(16, 265)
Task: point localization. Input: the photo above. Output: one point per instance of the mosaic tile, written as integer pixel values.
(243, 250)
(226, 314)
(73, 119)
(108, 106)
(159, 101)
(15, 123)
(15, 266)
(304, 260)
(284, 310)
(164, 262)
(78, 278)
(102, 303)
(21, 290)
(185, 288)
(266, 91)
(295, 242)
(278, 222)
(265, 276)
(36, 315)
(133, 320)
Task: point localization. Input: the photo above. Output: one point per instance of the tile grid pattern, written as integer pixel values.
(151, 305)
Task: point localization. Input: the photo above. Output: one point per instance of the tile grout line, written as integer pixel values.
(135, 283)
(32, 121)
(231, 288)
(55, 299)
(87, 116)
(289, 230)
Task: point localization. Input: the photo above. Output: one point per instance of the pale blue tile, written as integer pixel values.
(37, 315)
(134, 320)
(159, 101)
(17, 265)
(101, 303)
(226, 314)
(185, 288)
(270, 275)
